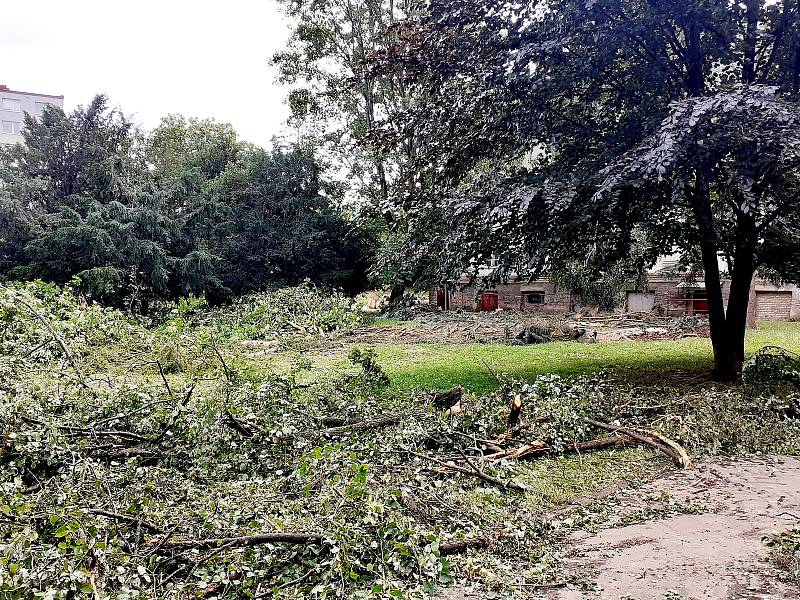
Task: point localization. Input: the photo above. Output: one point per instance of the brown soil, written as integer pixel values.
(717, 554)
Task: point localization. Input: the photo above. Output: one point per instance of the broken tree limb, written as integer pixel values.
(245, 541)
(685, 459)
(244, 428)
(516, 410)
(130, 519)
(539, 448)
(46, 322)
(657, 441)
(473, 470)
(378, 423)
(458, 547)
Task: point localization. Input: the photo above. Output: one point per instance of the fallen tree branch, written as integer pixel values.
(458, 547)
(539, 448)
(46, 322)
(655, 440)
(245, 541)
(473, 471)
(130, 519)
(378, 423)
(244, 428)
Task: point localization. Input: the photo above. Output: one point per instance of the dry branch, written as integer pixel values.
(245, 541)
(653, 439)
(458, 547)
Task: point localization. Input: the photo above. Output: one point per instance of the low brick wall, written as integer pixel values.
(511, 296)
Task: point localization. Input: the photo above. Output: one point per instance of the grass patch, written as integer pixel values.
(440, 366)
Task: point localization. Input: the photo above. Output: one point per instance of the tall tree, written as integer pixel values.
(277, 222)
(336, 102)
(553, 129)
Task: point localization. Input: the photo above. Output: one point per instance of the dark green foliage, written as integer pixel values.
(185, 210)
(550, 135)
(277, 223)
(772, 366)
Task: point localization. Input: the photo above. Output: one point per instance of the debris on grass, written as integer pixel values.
(132, 471)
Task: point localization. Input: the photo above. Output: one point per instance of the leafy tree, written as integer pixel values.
(184, 210)
(278, 224)
(552, 131)
(336, 102)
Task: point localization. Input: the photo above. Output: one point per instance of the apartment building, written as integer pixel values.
(13, 106)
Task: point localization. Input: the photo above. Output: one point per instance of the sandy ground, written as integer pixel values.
(715, 555)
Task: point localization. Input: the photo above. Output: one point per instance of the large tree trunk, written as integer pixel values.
(750, 41)
(727, 328)
(724, 357)
(397, 293)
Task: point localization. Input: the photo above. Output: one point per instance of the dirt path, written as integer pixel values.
(714, 555)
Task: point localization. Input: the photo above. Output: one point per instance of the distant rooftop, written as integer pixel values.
(5, 88)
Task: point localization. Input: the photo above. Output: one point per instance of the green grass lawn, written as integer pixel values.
(440, 366)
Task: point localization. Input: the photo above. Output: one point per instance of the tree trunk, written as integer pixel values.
(729, 365)
(739, 298)
(724, 358)
(750, 41)
(397, 293)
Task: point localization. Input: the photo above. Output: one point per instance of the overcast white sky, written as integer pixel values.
(200, 58)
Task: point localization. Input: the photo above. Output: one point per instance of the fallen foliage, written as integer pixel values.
(129, 476)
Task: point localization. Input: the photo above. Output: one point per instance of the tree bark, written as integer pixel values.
(724, 358)
(750, 40)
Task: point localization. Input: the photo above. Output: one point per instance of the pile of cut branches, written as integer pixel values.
(124, 478)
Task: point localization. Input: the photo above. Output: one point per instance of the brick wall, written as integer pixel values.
(768, 301)
(512, 296)
(672, 298)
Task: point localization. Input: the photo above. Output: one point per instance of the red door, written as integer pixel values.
(489, 303)
(440, 298)
(700, 299)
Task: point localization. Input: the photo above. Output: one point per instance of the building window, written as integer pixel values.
(11, 127)
(12, 105)
(534, 298)
(40, 106)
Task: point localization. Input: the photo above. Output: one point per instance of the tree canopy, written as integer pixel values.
(185, 209)
(553, 131)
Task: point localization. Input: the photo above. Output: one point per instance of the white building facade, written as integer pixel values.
(13, 107)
